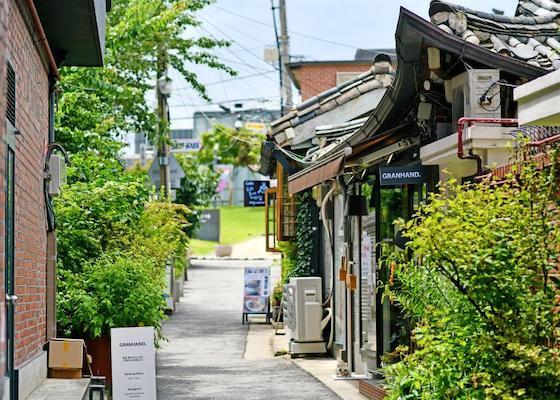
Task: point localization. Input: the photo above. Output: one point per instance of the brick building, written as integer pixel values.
(35, 39)
(314, 77)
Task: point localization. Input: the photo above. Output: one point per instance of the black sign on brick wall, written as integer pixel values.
(253, 193)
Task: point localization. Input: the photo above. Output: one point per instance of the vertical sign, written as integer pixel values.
(253, 193)
(256, 290)
(133, 360)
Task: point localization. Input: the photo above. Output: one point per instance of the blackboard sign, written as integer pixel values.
(389, 176)
(253, 193)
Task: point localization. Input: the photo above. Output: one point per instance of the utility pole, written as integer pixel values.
(285, 56)
(163, 91)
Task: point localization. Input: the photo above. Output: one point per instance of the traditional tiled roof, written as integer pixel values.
(531, 36)
(379, 76)
(330, 137)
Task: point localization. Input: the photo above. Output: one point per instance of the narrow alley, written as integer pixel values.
(203, 357)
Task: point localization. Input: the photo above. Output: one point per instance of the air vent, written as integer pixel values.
(11, 95)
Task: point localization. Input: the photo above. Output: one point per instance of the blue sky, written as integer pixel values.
(352, 23)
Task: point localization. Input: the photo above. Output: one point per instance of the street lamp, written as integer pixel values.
(165, 85)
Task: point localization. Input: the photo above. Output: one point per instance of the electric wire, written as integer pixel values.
(291, 31)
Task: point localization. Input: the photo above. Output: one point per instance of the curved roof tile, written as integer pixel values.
(531, 36)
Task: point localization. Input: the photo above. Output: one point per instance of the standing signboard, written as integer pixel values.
(253, 193)
(133, 360)
(256, 292)
(209, 225)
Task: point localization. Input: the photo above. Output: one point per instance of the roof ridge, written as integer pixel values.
(530, 36)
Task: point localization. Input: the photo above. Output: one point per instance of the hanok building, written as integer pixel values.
(313, 77)
(36, 38)
(449, 111)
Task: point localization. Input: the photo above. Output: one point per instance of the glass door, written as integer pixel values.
(392, 203)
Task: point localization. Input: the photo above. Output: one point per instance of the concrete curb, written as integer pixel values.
(212, 258)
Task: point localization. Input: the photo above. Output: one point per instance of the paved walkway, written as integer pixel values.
(204, 358)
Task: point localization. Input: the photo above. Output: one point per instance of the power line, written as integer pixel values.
(239, 58)
(236, 42)
(242, 33)
(229, 101)
(292, 32)
(237, 78)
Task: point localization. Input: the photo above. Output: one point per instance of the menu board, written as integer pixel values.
(253, 193)
(256, 290)
(133, 359)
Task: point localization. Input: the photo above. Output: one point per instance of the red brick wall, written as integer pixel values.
(30, 220)
(316, 78)
(3, 17)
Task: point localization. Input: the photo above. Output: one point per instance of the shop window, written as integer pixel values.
(286, 208)
(270, 210)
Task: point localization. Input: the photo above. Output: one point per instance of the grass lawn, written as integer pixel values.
(238, 224)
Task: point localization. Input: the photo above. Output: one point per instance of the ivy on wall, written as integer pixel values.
(297, 255)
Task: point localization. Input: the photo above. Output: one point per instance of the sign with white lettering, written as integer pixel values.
(186, 145)
(253, 193)
(389, 176)
(133, 360)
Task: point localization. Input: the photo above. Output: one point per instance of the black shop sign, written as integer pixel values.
(253, 193)
(389, 176)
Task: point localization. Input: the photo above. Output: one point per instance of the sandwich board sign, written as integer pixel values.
(133, 361)
(256, 292)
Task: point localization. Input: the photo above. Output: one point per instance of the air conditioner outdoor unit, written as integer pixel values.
(303, 316)
(475, 94)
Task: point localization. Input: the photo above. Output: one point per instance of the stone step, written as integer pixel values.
(62, 389)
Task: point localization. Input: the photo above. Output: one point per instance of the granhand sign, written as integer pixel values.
(389, 176)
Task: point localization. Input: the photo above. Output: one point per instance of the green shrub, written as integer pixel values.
(478, 283)
(117, 290)
(160, 232)
(288, 262)
(96, 217)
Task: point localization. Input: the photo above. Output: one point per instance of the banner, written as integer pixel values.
(133, 361)
(256, 290)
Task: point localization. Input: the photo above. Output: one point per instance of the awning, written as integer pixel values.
(317, 173)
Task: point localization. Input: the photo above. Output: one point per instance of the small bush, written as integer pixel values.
(118, 290)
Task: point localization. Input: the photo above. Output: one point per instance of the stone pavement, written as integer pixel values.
(204, 357)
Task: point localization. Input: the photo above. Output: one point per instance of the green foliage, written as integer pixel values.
(97, 105)
(479, 285)
(288, 250)
(239, 148)
(116, 290)
(304, 236)
(161, 232)
(96, 217)
(296, 255)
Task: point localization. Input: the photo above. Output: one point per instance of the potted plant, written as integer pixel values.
(224, 250)
(117, 290)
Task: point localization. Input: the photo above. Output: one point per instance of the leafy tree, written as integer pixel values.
(239, 148)
(98, 105)
(481, 286)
